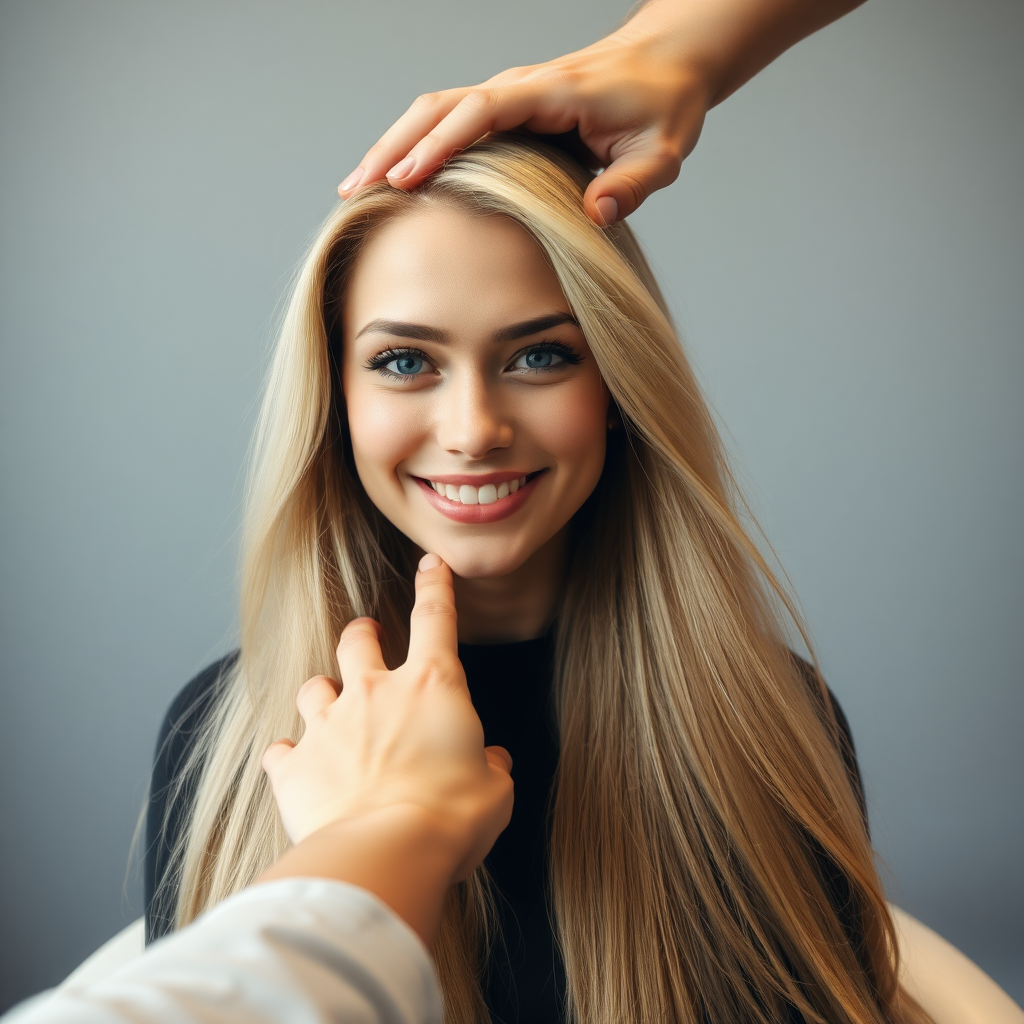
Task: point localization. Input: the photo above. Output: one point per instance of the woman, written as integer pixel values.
(474, 368)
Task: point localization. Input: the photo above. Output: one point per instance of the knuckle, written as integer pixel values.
(431, 606)
(557, 78)
(426, 99)
(435, 140)
(308, 686)
(355, 633)
(272, 758)
(512, 76)
(636, 188)
(481, 100)
(668, 153)
(433, 669)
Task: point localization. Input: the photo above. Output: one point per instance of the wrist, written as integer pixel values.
(672, 37)
(405, 855)
(403, 825)
(726, 42)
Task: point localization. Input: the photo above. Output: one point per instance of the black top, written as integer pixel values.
(508, 683)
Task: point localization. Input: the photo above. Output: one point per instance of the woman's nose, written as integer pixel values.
(471, 421)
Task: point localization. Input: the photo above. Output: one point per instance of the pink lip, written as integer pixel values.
(478, 514)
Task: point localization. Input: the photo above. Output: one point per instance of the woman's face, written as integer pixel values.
(476, 410)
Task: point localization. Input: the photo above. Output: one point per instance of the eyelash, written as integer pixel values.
(379, 362)
(567, 352)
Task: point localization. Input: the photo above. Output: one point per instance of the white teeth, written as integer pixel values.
(488, 494)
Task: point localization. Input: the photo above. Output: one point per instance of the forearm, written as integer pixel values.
(402, 855)
(301, 949)
(726, 42)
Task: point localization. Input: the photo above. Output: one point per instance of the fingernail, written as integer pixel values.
(429, 561)
(402, 169)
(352, 180)
(607, 210)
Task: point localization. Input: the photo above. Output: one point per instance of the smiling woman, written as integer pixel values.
(473, 368)
(497, 420)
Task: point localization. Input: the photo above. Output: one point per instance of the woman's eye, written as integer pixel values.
(546, 358)
(405, 366)
(408, 363)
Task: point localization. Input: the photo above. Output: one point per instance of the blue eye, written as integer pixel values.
(546, 357)
(540, 360)
(405, 366)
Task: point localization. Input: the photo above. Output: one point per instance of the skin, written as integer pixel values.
(474, 406)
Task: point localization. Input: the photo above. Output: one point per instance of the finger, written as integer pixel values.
(423, 115)
(273, 755)
(499, 757)
(359, 650)
(433, 633)
(316, 695)
(628, 181)
(485, 108)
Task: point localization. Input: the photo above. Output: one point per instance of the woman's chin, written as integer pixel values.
(488, 563)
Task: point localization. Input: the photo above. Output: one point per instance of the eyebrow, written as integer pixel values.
(422, 332)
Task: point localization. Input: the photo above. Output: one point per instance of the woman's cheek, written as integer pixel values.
(575, 425)
(384, 433)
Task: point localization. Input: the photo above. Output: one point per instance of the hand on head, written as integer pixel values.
(385, 740)
(636, 109)
(637, 97)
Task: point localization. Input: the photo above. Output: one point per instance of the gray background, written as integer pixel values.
(843, 251)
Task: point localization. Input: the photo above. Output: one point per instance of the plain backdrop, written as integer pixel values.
(844, 256)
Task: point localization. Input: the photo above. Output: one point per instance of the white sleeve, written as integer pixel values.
(298, 950)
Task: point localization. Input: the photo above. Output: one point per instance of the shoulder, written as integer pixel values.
(169, 797)
(811, 677)
(189, 708)
(847, 750)
(183, 721)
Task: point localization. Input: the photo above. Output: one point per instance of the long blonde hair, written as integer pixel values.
(705, 837)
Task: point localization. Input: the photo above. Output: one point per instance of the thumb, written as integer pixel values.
(627, 181)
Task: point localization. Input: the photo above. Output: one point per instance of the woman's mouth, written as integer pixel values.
(486, 494)
(490, 497)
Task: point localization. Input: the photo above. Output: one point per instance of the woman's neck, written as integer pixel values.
(519, 606)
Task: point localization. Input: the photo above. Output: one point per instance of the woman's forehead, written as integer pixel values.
(446, 266)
